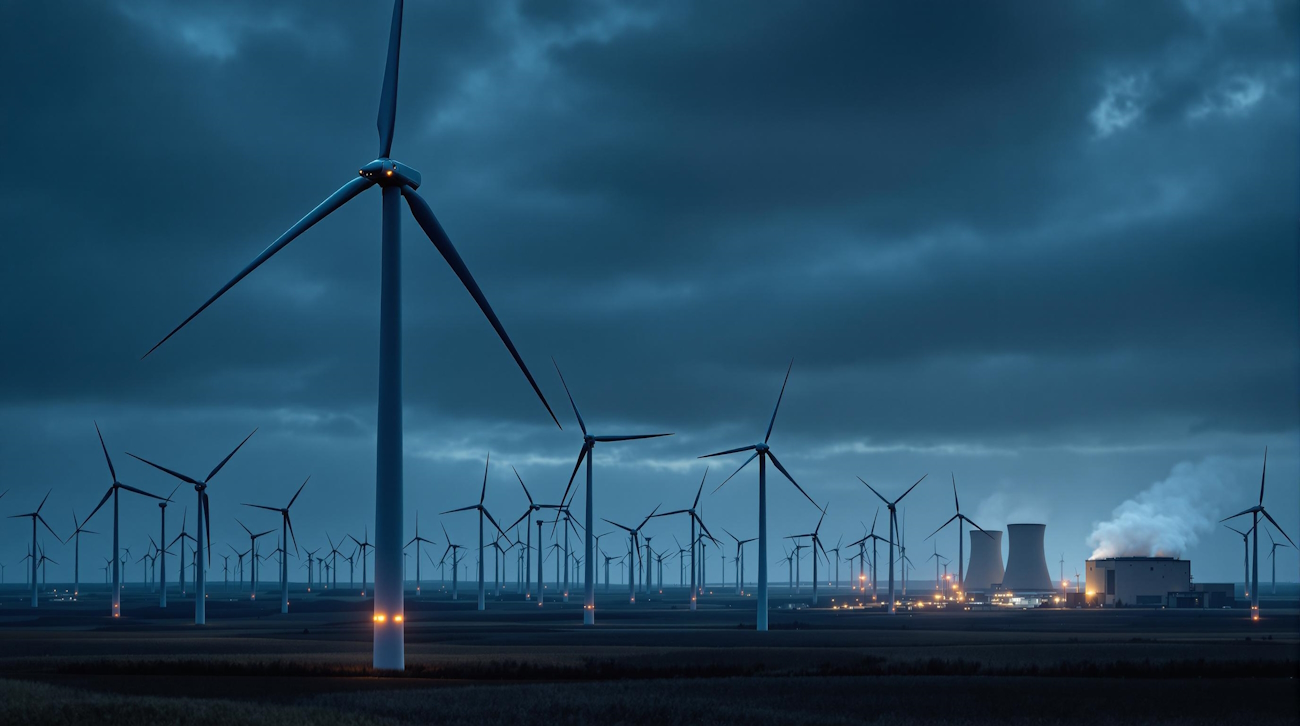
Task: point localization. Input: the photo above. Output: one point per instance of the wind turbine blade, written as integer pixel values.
(483, 495)
(517, 521)
(873, 491)
(737, 471)
(331, 203)
(1238, 514)
(223, 461)
(207, 523)
(1275, 524)
(971, 522)
(429, 223)
(649, 516)
(178, 475)
(1262, 472)
(729, 451)
(140, 491)
(909, 489)
(262, 506)
(945, 524)
(699, 491)
(462, 509)
(778, 402)
(781, 469)
(729, 534)
(582, 453)
(295, 494)
(616, 524)
(107, 458)
(628, 438)
(292, 536)
(576, 415)
(388, 96)
(955, 501)
(521, 483)
(56, 534)
(107, 494)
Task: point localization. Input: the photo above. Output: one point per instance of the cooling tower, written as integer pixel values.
(1026, 561)
(985, 568)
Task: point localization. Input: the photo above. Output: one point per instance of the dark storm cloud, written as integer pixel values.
(999, 236)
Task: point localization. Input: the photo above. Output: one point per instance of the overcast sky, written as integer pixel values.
(1048, 248)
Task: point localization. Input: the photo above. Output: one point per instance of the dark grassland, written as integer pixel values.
(66, 663)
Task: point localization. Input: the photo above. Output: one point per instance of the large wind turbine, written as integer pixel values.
(763, 453)
(36, 515)
(1254, 513)
(589, 442)
(695, 519)
(113, 492)
(893, 525)
(78, 530)
(203, 521)
(961, 520)
(286, 531)
(482, 512)
(397, 180)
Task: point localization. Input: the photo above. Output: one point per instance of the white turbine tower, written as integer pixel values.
(762, 452)
(397, 181)
(1254, 512)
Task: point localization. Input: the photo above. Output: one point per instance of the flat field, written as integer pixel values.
(649, 662)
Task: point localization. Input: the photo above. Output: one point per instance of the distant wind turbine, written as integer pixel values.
(203, 521)
(79, 529)
(36, 515)
(286, 531)
(695, 519)
(632, 533)
(815, 535)
(762, 452)
(482, 512)
(417, 540)
(162, 553)
(893, 526)
(1254, 513)
(252, 561)
(397, 180)
(961, 519)
(1272, 555)
(587, 452)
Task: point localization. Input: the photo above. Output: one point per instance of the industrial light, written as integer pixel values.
(379, 618)
(397, 618)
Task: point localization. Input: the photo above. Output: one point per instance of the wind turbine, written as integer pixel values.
(836, 550)
(417, 540)
(1272, 555)
(695, 519)
(454, 549)
(397, 180)
(893, 523)
(311, 557)
(252, 561)
(528, 534)
(482, 512)
(42, 562)
(938, 561)
(816, 545)
(79, 529)
(286, 531)
(961, 520)
(182, 537)
(113, 492)
(633, 547)
(363, 545)
(1254, 513)
(36, 515)
(162, 553)
(763, 453)
(203, 520)
(589, 442)
(740, 558)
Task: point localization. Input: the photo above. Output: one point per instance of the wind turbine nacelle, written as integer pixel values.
(389, 173)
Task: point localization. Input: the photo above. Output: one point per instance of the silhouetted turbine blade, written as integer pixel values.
(331, 203)
(107, 494)
(217, 468)
(909, 489)
(176, 474)
(576, 415)
(737, 471)
(780, 468)
(429, 223)
(1275, 524)
(945, 524)
(107, 458)
(582, 453)
(388, 95)
(728, 451)
(778, 402)
(606, 439)
(295, 494)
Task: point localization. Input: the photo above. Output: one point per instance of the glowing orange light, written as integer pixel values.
(390, 172)
(379, 618)
(397, 618)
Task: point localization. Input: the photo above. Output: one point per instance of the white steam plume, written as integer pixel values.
(1169, 516)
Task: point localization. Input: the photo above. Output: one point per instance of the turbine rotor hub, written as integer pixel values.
(390, 173)
(760, 448)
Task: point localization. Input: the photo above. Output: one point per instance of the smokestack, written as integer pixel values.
(1026, 561)
(985, 568)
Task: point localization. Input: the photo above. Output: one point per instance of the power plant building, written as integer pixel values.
(1137, 581)
(1026, 560)
(985, 569)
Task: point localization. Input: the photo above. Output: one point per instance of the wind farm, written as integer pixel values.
(1051, 260)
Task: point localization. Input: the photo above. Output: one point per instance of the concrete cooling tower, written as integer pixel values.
(985, 568)
(1026, 561)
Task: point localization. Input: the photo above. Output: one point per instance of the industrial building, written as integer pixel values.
(985, 568)
(1026, 561)
(1137, 581)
